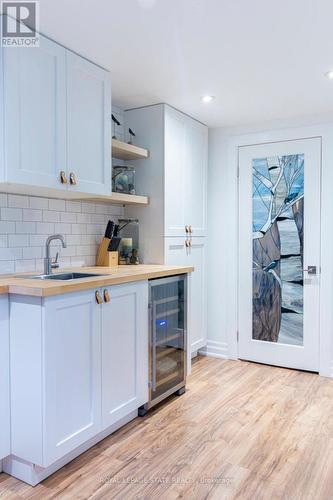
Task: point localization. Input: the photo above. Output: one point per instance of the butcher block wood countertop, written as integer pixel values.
(21, 285)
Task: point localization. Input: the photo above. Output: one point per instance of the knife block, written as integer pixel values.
(111, 259)
(102, 251)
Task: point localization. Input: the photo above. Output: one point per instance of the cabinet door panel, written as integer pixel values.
(175, 176)
(124, 351)
(72, 373)
(89, 125)
(176, 253)
(4, 378)
(35, 114)
(196, 185)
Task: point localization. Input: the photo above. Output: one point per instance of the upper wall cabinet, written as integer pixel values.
(88, 126)
(185, 174)
(35, 114)
(56, 124)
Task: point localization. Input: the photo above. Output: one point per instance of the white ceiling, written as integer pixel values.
(262, 59)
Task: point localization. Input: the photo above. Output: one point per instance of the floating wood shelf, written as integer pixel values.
(119, 198)
(123, 151)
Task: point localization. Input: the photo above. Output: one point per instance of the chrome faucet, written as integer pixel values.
(48, 264)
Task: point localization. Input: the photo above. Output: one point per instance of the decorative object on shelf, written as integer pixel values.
(129, 247)
(131, 134)
(123, 179)
(115, 122)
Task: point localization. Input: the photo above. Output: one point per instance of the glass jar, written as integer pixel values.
(123, 179)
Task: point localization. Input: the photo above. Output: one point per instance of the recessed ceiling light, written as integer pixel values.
(209, 98)
(329, 74)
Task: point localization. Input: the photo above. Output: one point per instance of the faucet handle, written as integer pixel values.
(55, 263)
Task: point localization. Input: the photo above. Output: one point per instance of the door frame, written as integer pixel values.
(298, 132)
(304, 357)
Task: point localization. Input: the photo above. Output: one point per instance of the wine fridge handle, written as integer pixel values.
(153, 346)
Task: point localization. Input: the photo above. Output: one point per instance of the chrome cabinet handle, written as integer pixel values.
(98, 297)
(72, 179)
(63, 178)
(106, 296)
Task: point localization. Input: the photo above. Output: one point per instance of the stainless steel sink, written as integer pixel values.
(62, 276)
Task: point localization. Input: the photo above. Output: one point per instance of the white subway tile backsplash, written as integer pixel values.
(25, 265)
(79, 228)
(26, 222)
(18, 240)
(88, 208)
(51, 216)
(32, 252)
(12, 214)
(25, 228)
(68, 217)
(18, 201)
(3, 240)
(7, 267)
(32, 215)
(73, 206)
(39, 203)
(10, 253)
(3, 200)
(59, 205)
(45, 228)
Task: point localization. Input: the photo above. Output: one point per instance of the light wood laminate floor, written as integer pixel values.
(242, 430)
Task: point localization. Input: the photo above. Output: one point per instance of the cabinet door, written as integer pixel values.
(35, 114)
(176, 253)
(124, 351)
(175, 176)
(196, 171)
(88, 126)
(4, 378)
(72, 390)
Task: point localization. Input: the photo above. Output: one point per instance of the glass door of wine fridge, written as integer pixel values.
(168, 332)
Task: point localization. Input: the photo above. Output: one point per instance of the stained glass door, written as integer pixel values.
(279, 238)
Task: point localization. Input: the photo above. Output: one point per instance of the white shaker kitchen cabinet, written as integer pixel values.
(181, 251)
(124, 350)
(88, 126)
(55, 375)
(176, 175)
(34, 115)
(196, 177)
(4, 379)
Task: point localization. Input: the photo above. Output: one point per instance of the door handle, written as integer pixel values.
(310, 270)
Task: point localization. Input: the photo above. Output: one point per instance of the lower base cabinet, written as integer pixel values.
(77, 367)
(177, 252)
(124, 351)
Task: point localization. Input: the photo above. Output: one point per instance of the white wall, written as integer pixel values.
(223, 223)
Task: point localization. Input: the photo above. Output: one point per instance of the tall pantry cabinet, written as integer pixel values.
(173, 228)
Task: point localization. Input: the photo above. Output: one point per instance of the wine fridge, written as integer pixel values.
(167, 338)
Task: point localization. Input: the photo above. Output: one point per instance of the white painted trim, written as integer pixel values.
(215, 349)
(326, 133)
(33, 474)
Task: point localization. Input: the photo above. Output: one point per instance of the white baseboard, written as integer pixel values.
(215, 349)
